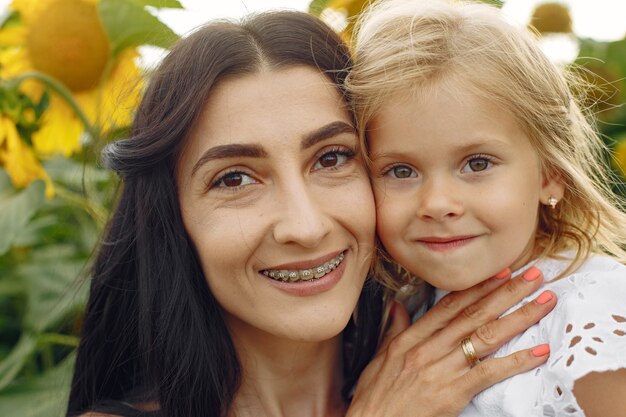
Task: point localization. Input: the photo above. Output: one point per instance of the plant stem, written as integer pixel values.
(59, 339)
(97, 212)
(64, 93)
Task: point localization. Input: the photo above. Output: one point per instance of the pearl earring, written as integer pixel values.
(552, 202)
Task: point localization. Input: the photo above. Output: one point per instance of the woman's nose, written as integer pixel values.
(439, 200)
(302, 217)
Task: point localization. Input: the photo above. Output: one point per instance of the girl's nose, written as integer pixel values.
(438, 201)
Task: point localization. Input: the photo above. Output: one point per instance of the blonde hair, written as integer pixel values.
(411, 44)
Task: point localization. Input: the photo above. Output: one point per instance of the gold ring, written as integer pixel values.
(469, 352)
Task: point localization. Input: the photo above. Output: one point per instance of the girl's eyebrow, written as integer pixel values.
(256, 151)
(471, 144)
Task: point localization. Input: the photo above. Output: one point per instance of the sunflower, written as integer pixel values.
(65, 39)
(19, 159)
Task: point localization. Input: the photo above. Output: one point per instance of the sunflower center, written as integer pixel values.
(67, 41)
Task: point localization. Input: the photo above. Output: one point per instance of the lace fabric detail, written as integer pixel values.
(586, 332)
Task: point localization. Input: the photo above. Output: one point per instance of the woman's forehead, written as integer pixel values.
(269, 105)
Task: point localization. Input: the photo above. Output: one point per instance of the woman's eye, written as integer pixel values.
(234, 179)
(477, 165)
(401, 172)
(332, 159)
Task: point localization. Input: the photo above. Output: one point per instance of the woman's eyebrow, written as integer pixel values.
(256, 151)
(229, 151)
(325, 132)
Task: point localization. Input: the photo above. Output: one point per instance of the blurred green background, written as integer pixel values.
(70, 79)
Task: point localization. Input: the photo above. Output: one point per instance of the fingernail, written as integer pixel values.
(541, 350)
(532, 274)
(544, 297)
(503, 274)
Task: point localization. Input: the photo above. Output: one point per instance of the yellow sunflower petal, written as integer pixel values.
(60, 130)
(20, 161)
(13, 62)
(3, 134)
(12, 36)
(122, 91)
(114, 106)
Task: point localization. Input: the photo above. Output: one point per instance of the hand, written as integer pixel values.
(420, 370)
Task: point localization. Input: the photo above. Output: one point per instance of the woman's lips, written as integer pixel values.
(308, 287)
(306, 270)
(443, 244)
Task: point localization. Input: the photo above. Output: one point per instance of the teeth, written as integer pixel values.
(304, 274)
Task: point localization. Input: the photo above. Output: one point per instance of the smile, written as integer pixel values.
(295, 275)
(445, 244)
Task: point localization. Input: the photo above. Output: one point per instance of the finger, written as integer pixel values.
(446, 310)
(491, 307)
(491, 336)
(492, 371)
(399, 321)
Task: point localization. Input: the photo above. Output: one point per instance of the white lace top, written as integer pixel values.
(586, 332)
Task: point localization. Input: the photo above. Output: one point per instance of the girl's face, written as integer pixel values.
(278, 204)
(457, 186)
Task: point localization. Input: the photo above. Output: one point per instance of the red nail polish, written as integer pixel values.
(532, 274)
(541, 350)
(544, 297)
(503, 274)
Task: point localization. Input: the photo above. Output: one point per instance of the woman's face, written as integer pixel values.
(278, 204)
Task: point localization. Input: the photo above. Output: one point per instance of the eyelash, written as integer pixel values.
(488, 158)
(216, 184)
(348, 153)
(390, 168)
(345, 152)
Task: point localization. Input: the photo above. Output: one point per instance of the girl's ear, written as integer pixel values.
(552, 187)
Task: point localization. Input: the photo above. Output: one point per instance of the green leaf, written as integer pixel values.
(497, 3)
(10, 19)
(43, 104)
(128, 24)
(32, 234)
(12, 364)
(17, 209)
(52, 290)
(5, 183)
(43, 396)
(159, 4)
(317, 6)
(10, 287)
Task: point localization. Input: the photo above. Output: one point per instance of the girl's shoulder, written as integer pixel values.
(599, 281)
(587, 328)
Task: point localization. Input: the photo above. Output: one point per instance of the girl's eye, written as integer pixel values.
(401, 172)
(477, 164)
(333, 159)
(233, 180)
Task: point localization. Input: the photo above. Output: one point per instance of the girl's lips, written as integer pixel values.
(446, 243)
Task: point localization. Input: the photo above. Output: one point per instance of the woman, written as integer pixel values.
(232, 277)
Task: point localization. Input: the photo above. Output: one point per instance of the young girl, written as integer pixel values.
(482, 159)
